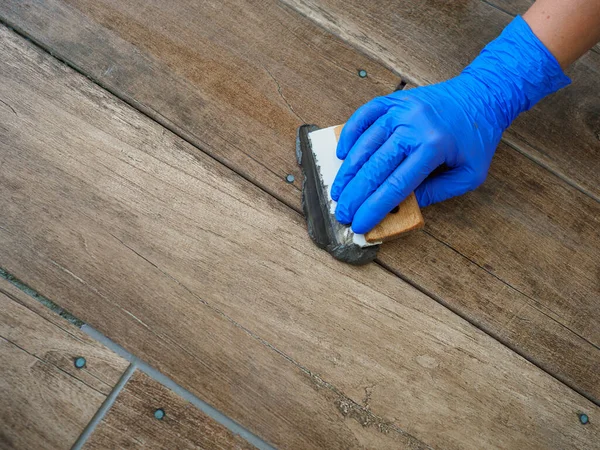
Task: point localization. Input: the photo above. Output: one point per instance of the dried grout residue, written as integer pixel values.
(40, 298)
(351, 410)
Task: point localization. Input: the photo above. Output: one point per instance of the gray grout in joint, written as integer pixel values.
(135, 363)
(207, 409)
(104, 408)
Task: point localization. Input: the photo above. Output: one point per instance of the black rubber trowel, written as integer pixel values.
(315, 151)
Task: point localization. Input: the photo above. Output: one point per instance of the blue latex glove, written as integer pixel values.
(391, 144)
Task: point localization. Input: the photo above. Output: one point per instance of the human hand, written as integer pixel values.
(392, 144)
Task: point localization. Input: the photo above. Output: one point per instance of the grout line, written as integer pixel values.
(505, 342)
(216, 415)
(498, 8)
(147, 112)
(207, 409)
(572, 183)
(404, 75)
(110, 400)
(135, 363)
(532, 302)
(40, 298)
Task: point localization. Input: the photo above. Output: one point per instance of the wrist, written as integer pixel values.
(512, 73)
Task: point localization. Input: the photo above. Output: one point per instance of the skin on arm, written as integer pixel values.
(568, 28)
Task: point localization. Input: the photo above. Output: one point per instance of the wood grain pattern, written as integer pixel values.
(406, 218)
(498, 285)
(513, 7)
(428, 42)
(214, 283)
(472, 286)
(120, 291)
(526, 236)
(234, 78)
(130, 423)
(47, 336)
(45, 402)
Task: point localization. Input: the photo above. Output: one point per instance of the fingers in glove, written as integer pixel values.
(367, 144)
(407, 176)
(372, 174)
(449, 184)
(358, 123)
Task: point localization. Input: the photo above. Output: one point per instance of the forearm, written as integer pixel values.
(568, 28)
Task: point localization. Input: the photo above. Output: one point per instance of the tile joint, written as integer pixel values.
(104, 408)
(135, 363)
